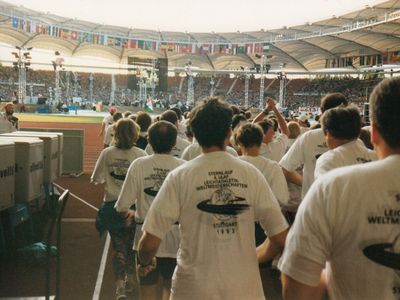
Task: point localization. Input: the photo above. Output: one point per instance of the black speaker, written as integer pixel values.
(42, 100)
(162, 74)
(132, 83)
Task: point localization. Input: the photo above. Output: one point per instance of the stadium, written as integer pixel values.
(64, 76)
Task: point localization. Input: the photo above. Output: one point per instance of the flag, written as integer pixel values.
(171, 47)
(132, 44)
(124, 42)
(118, 42)
(110, 41)
(164, 46)
(21, 24)
(265, 48)
(249, 48)
(147, 45)
(241, 49)
(38, 28)
(140, 44)
(15, 22)
(28, 26)
(95, 39)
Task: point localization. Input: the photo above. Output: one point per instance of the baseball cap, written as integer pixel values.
(112, 109)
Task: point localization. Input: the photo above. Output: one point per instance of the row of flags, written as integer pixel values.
(32, 26)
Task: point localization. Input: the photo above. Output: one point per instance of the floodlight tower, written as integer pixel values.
(190, 92)
(246, 87)
(142, 86)
(22, 62)
(91, 78)
(57, 65)
(153, 78)
(282, 88)
(262, 71)
(67, 85)
(212, 86)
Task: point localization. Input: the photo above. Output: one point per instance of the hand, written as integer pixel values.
(270, 105)
(129, 217)
(144, 270)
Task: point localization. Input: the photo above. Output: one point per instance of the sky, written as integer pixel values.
(199, 15)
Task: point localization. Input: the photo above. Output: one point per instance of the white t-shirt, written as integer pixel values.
(177, 151)
(143, 181)
(111, 168)
(107, 121)
(273, 174)
(307, 148)
(194, 150)
(275, 149)
(5, 125)
(347, 154)
(350, 221)
(182, 130)
(108, 135)
(216, 258)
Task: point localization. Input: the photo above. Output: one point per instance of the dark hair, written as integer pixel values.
(237, 119)
(235, 109)
(178, 112)
(384, 106)
(249, 135)
(117, 116)
(265, 125)
(143, 119)
(342, 123)
(162, 136)
(126, 133)
(332, 100)
(210, 122)
(170, 116)
(365, 136)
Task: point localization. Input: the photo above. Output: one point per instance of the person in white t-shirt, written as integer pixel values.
(111, 168)
(349, 220)
(8, 122)
(273, 146)
(216, 199)
(107, 121)
(108, 136)
(144, 179)
(342, 126)
(308, 148)
(249, 138)
(181, 144)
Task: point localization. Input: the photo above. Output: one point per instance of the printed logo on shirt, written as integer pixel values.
(118, 171)
(385, 254)
(362, 160)
(156, 179)
(223, 204)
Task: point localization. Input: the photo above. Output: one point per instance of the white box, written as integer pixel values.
(60, 136)
(7, 174)
(51, 153)
(29, 166)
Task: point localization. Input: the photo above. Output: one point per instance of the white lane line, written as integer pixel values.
(100, 275)
(78, 220)
(78, 198)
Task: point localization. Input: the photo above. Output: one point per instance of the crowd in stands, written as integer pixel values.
(298, 92)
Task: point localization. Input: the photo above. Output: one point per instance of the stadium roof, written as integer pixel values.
(369, 31)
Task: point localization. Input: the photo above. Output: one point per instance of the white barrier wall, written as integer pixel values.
(7, 174)
(29, 166)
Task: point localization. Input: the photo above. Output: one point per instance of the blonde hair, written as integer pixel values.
(126, 133)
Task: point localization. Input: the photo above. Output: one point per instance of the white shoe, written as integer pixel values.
(120, 290)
